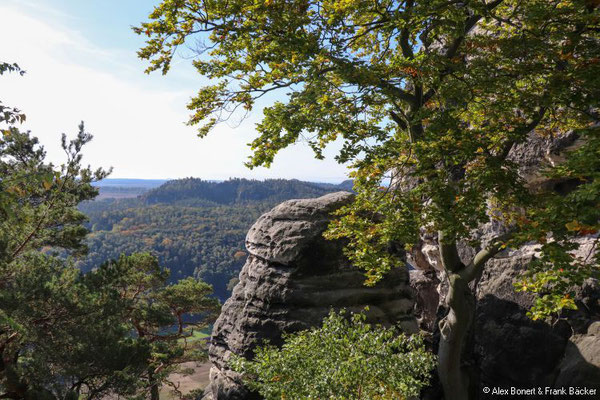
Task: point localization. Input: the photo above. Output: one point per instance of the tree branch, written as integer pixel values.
(476, 265)
(506, 148)
(396, 118)
(407, 50)
(449, 253)
(452, 48)
(387, 87)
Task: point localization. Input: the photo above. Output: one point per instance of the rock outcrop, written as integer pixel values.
(290, 281)
(427, 298)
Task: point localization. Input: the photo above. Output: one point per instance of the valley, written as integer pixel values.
(195, 227)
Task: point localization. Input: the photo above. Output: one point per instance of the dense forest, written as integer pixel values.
(195, 227)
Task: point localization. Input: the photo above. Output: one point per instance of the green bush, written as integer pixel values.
(346, 358)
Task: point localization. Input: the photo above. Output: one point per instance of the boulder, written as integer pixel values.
(580, 366)
(291, 280)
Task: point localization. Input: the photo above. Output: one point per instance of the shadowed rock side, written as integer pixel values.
(512, 350)
(290, 281)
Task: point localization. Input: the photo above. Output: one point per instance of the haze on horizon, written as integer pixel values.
(81, 64)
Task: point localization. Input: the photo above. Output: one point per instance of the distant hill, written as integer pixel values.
(146, 183)
(125, 188)
(195, 227)
(346, 185)
(234, 191)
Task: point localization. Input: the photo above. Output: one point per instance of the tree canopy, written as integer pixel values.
(432, 92)
(432, 95)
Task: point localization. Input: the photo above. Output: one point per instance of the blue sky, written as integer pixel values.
(81, 63)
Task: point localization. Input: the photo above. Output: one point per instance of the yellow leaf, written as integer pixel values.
(573, 226)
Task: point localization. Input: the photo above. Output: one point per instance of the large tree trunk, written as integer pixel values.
(454, 329)
(155, 393)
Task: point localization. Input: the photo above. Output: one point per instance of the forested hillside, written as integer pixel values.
(195, 227)
(125, 188)
(195, 191)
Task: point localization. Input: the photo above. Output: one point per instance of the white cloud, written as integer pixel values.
(138, 124)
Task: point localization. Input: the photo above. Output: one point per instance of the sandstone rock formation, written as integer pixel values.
(290, 281)
(427, 297)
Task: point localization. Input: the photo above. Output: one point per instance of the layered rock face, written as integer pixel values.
(290, 281)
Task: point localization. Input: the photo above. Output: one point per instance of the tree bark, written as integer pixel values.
(454, 329)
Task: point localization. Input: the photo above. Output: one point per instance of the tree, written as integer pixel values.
(69, 335)
(345, 358)
(8, 114)
(433, 95)
(160, 315)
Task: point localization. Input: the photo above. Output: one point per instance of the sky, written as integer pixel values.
(81, 65)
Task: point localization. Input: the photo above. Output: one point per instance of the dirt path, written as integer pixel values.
(197, 380)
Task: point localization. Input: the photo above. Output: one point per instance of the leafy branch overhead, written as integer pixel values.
(10, 115)
(430, 94)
